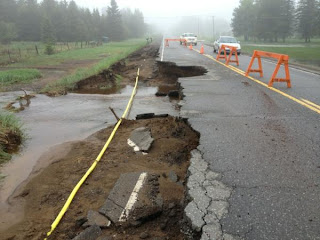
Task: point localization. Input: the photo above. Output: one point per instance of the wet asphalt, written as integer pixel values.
(266, 146)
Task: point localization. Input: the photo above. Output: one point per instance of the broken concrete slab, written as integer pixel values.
(195, 216)
(219, 208)
(91, 233)
(141, 139)
(119, 196)
(95, 218)
(208, 199)
(135, 196)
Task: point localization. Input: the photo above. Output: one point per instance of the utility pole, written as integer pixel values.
(213, 27)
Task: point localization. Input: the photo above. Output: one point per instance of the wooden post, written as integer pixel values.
(37, 50)
(9, 55)
(20, 52)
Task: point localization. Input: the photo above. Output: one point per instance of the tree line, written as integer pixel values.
(52, 20)
(271, 20)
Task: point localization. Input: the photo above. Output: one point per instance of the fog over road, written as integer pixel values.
(265, 146)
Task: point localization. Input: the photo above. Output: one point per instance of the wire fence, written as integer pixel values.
(9, 55)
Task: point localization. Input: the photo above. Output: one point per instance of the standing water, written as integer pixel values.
(52, 121)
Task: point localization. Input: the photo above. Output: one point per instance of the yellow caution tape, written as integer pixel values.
(83, 179)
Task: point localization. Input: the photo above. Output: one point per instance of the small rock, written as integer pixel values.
(80, 221)
(144, 235)
(163, 226)
(171, 205)
(136, 223)
(173, 176)
(172, 213)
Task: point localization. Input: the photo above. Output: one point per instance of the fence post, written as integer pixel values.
(9, 55)
(20, 52)
(37, 50)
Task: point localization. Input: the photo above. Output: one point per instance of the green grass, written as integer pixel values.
(303, 55)
(289, 41)
(113, 52)
(9, 123)
(92, 53)
(15, 76)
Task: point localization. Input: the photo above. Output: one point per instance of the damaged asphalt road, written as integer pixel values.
(263, 150)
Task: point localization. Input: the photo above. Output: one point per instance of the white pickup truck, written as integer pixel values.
(189, 38)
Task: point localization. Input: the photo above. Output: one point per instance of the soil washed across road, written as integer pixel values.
(265, 146)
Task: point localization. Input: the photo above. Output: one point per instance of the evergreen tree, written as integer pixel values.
(307, 18)
(29, 20)
(114, 21)
(286, 23)
(47, 32)
(243, 20)
(8, 32)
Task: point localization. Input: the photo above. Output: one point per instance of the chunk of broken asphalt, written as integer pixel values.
(91, 233)
(95, 218)
(119, 196)
(141, 137)
(144, 116)
(127, 203)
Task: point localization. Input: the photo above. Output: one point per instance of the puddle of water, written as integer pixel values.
(51, 121)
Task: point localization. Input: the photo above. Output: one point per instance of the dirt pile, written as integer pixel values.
(168, 157)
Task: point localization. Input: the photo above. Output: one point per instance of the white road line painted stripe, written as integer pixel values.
(162, 51)
(133, 197)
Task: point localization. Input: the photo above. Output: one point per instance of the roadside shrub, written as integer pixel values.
(11, 135)
(49, 49)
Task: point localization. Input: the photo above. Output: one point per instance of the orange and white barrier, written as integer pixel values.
(282, 59)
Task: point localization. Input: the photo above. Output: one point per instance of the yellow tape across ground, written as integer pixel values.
(312, 106)
(82, 180)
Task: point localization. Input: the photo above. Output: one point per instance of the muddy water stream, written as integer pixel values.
(52, 121)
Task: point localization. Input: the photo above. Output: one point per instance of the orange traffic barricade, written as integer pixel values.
(174, 40)
(282, 59)
(233, 50)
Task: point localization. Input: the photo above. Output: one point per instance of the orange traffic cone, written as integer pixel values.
(201, 50)
(190, 47)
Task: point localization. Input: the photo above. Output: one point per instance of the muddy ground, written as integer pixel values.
(44, 193)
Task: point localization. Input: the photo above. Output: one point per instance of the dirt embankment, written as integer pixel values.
(163, 75)
(46, 193)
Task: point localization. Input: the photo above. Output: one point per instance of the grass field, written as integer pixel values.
(103, 56)
(14, 76)
(22, 51)
(298, 51)
(113, 52)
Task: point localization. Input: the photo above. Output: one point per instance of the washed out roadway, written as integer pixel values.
(266, 146)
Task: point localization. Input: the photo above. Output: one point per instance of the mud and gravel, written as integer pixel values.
(47, 191)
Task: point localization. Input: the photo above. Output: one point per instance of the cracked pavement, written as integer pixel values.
(259, 149)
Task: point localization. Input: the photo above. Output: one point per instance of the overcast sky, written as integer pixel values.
(170, 8)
